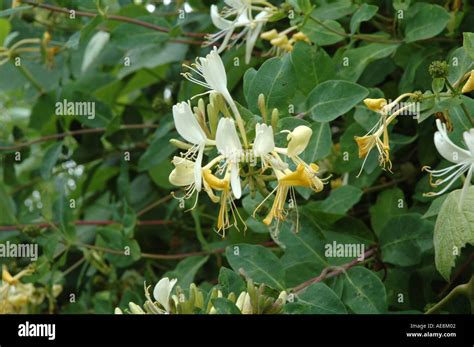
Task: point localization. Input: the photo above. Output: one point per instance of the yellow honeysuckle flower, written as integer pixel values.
(269, 35)
(303, 176)
(300, 36)
(375, 104)
(469, 85)
(211, 182)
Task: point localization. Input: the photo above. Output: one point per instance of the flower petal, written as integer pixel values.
(235, 181)
(186, 124)
(218, 21)
(264, 142)
(162, 292)
(227, 140)
(446, 147)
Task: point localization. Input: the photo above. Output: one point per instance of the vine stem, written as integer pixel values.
(82, 222)
(332, 271)
(30, 78)
(466, 289)
(152, 26)
(73, 133)
(269, 244)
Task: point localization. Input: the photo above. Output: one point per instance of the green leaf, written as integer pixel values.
(153, 56)
(186, 270)
(8, 12)
(330, 99)
(5, 28)
(468, 44)
(355, 60)
(7, 206)
(312, 66)
(327, 33)
(320, 143)
(51, 156)
(425, 21)
(224, 306)
(276, 80)
(390, 202)
(342, 199)
(304, 253)
(454, 229)
(230, 282)
(333, 10)
(257, 263)
(363, 14)
(400, 237)
(318, 298)
(363, 291)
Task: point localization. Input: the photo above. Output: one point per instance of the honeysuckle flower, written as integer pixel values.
(212, 70)
(463, 160)
(469, 85)
(162, 292)
(298, 140)
(228, 144)
(241, 11)
(264, 142)
(226, 202)
(375, 104)
(188, 127)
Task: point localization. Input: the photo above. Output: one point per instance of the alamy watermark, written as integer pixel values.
(75, 108)
(344, 250)
(21, 250)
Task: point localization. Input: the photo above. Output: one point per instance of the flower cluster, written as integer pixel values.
(205, 128)
(254, 300)
(16, 297)
(239, 15)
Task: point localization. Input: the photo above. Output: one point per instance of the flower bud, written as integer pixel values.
(135, 309)
(298, 140)
(375, 104)
(469, 85)
(118, 310)
(269, 35)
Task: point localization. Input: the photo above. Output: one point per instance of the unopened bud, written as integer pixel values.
(269, 35)
(135, 309)
(469, 85)
(262, 107)
(275, 119)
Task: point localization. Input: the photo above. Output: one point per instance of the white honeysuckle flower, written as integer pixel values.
(162, 292)
(183, 173)
(228, 144)
(241, 11)
(463, 160)
(298, 140)
(212, 70)
(264, 142)
(188, 127)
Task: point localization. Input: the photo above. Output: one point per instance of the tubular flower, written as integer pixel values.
(305, 176)
(469, 85)
(462, 159)
(188, 127)
(212, 70)
(378, 137)
(264, 143)
(242, 13)
(226, 201)
(228, 144)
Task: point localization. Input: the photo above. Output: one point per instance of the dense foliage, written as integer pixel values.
(323, 166)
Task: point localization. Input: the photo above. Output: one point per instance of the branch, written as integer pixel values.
(331, 271)
(165, 256)
(73, 133)
(83, 222)
(116, 18)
